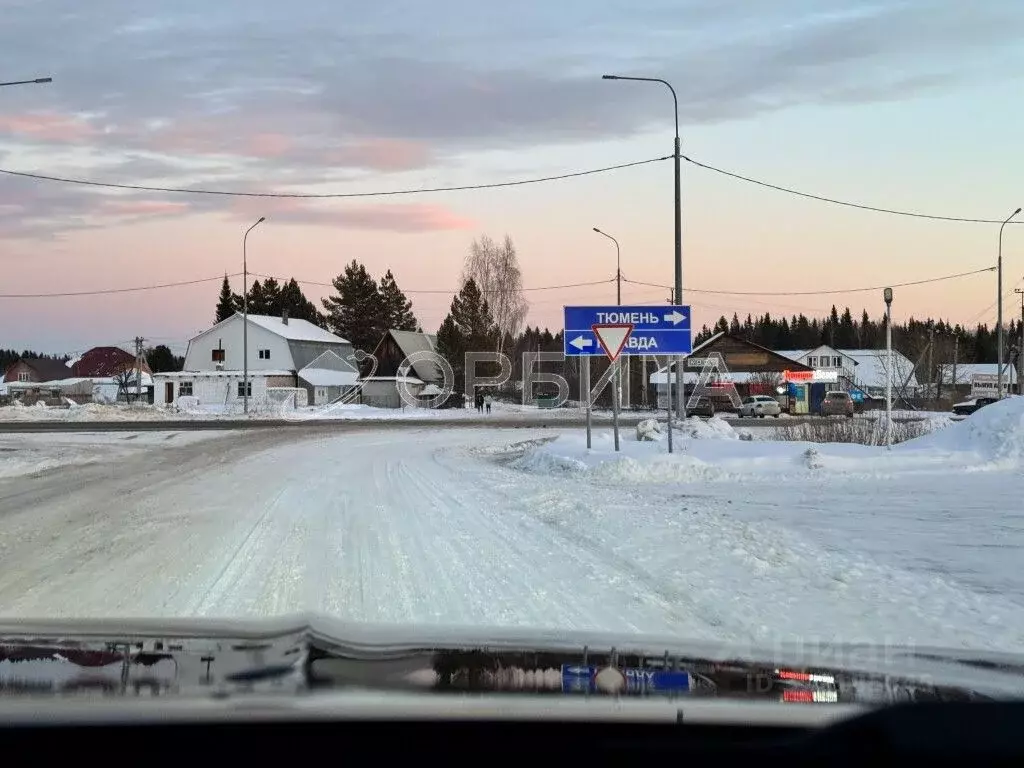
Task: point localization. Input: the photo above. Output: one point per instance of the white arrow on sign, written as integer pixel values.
(675, 317)
(580, 342)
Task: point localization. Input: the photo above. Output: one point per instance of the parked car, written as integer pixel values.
(967, 407)
(837, 403)
(704, 407)
(759, 406)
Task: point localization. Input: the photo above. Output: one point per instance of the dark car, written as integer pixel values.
(967, 407)
(704, 407)
(837, 403)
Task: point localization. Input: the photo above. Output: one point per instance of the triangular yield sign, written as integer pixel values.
(612, 337)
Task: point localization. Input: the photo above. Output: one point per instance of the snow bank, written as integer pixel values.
(994, 434)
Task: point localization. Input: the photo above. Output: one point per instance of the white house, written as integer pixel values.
(279, 348)
(860, 369)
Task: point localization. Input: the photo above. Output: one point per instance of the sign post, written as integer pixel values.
(616, 331)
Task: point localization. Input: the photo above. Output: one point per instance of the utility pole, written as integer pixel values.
(999, 311)
(931, 375)
(138, 368)
(887, 296)
(956, 353)
(1020, 352)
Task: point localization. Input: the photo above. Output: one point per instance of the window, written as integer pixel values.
(264, 354)
(184, 389)
(812, 361)
(22, 375)
(837, 362)
(217, 355)
(244, 391)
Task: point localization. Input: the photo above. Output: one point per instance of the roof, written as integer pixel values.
(294, 329)
(792, 354)
(411, 342)
(46, 368)
(104, 361)
(326, 377)
(871, 368)
(238, 374)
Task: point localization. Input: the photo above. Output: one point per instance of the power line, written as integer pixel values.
(105, 291)
(330, 195)
(823, 293)
(500, 184)
(836, 201)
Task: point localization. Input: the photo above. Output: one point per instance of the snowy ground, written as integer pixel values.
(26, 454)
(728, 539)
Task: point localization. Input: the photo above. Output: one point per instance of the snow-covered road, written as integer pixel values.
(444, 526)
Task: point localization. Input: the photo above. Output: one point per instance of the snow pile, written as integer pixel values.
(714, 428)
(648, 430)
(995, 433)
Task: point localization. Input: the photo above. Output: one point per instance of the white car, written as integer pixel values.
(759, 406)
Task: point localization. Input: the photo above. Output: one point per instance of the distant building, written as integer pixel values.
(422, 379)
(104, 362)
(36, 370)
(279, 349)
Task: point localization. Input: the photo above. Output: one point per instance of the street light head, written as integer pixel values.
(1016, 212)
(597, 230)
(887, 295)
(43, 80)
(261, 219)
(609, 77)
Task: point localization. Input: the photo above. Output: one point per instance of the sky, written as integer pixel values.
(905, 105)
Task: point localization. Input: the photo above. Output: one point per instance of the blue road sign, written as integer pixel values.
(663, 330)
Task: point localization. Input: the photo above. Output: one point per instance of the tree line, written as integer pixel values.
(841, 331)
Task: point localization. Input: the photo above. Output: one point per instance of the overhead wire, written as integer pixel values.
(831, 292)
(332, 195)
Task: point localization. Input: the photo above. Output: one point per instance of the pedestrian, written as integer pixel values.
(487, 402)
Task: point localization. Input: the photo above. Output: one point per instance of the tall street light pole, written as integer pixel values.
(1020, 350)
(999, 321)
(678, 292)
(618, 266)
(887, 296)
(618, 301)
(245, 317)
(36, 81)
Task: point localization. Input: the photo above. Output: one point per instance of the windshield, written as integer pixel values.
(385, 313)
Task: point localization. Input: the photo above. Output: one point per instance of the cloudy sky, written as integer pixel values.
(911, 105)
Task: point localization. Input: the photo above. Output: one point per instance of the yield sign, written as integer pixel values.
(612, 337)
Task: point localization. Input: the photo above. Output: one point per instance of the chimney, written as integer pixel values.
(284, 316)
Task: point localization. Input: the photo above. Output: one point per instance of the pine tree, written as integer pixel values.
(468, 327)
(225, 302)
(354, 313)
(396, 309)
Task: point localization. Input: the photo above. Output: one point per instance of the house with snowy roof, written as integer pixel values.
(283, 354)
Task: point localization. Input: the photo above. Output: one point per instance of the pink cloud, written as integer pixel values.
(267, 145)
(382, 155)
(401, 218)
(143, 207)
(48, 126)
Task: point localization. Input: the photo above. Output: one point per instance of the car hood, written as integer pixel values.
(304, 654)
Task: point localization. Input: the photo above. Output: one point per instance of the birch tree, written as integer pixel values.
(495, 270)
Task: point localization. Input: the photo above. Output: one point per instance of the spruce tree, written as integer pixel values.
(396, 309)
(354, 313)
(225, 302)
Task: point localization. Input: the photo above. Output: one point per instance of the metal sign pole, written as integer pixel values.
(668, 389)
(586, 388)
(615, 401)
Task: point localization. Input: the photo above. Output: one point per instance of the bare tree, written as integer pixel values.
(495, 269)
(125, 381)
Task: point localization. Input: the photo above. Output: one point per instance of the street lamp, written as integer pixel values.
(245, 317)
(1020, 350)
(887, 296)
(36, 81)
(999, 321)
(618, 266)
(678, 292)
